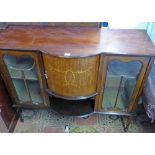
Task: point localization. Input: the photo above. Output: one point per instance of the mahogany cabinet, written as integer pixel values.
(76, 71)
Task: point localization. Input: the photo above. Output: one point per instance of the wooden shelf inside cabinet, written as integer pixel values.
(29, 75)
(34, 89)
(70, 98)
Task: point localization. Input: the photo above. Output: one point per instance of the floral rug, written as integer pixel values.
(47, 121)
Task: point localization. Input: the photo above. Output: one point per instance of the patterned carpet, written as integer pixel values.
(47, 121)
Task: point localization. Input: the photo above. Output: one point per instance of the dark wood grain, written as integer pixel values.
(78, 41)
(127, 42)
(7, 113)
(3, 25)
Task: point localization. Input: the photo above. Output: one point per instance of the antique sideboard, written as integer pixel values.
(76, 71)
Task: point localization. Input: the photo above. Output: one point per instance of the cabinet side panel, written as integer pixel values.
(7, 114)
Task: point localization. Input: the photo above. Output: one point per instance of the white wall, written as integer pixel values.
(148, 26)
(128, 25)
(151, 31)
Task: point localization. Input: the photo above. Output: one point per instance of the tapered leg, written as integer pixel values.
(20, 115)
(126, 125)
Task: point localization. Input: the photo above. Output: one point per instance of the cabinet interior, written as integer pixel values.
(120, 83)
(24, 77)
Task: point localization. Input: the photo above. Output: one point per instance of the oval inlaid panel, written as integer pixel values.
(71, 77)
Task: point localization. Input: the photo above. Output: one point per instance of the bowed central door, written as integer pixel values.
(71, 77)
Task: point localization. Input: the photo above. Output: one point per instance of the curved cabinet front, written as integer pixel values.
(71, 77)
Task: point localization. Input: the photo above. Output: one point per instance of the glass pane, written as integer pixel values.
(24, 76)
(152, 72)
(120, 83)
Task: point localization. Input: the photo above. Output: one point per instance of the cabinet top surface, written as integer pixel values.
(77, 41)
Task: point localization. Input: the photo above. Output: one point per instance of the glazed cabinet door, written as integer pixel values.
(120, 82)
(21, 72)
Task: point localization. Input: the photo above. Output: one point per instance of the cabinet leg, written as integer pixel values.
(67, 129)
(129, 119)
(126, 126)
(21, 119)
(20, 115)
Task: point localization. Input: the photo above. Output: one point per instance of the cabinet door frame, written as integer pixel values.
(104, 62)
(36, 55)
